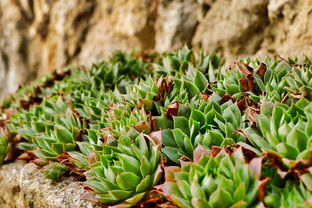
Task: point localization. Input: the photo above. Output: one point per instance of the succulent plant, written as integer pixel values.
(299, 82)
(292, 195)
(55, 171)
(206, 123)
(284, 130)
(173, 63)
(4, 143)
(123, 174)
(260, 79)
(49, 130)
(122, 120)
(223, 180)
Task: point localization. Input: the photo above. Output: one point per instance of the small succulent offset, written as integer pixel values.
(219, 181)
(284, 130)
(123, 174)
(55, 171)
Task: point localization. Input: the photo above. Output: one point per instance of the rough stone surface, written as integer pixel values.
(24, 186)
(175, 25)
(39, 36)
(233, 27)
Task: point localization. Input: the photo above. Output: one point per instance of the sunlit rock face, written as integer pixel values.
(37, 37)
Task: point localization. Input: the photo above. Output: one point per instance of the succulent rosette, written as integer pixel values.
(123, 174)
(206, 123)
(221, 180)
(285, 130)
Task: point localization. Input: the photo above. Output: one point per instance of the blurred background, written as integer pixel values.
(40, 36)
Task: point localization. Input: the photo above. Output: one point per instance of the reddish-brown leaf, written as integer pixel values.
(244, 68)
(247, 84)
(154, 199)
(28, 156)
(262, 69)
(215, 150)
(226, 98)
(284, 100)
(173, 109)
(242, 104)
(79, 135)
(89, 196)
(261, 189)
(152, 122)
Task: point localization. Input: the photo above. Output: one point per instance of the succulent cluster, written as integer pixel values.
(285, 130)
(220, 180)
(179, 129)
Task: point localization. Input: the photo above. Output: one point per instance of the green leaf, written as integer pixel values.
(298, 139)
(198, 116)
(220, 199)
(180, 122)
(172, 153)
(200, 80)
(127, 181)
(287, 150)
(145, 167)
(63, 135)
(120, 194)
(213, 138)
(240, 193)
(200, 203)
(144, 184)
(130, 164)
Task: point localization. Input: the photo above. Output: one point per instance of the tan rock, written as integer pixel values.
(175, 25)
(290, 29)
(234, 28)
(37, 37)
(24, 186)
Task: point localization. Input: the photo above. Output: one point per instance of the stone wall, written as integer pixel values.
(39, 36)
(24, 186)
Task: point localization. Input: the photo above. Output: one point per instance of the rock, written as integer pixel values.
(24, 186)
(234, 28)
(175, 25)
(290, 29)
(119, 25)
(37, 37)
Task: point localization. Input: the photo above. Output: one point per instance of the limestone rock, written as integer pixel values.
(290, 29)
(119, 25)
(233, 28)
(175, 25)
(39, 36)
(24, 186)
